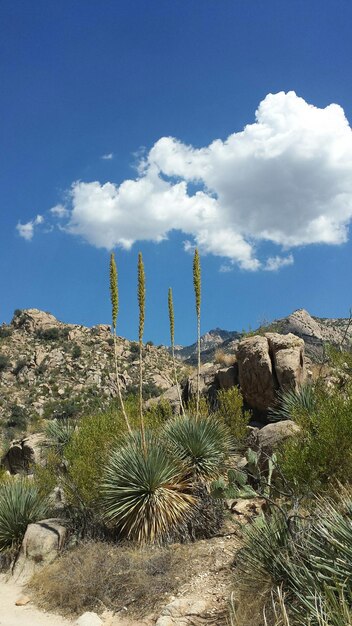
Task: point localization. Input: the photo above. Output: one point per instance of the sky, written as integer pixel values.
(161, 125)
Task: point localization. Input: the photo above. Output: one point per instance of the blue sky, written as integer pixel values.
(164, 89)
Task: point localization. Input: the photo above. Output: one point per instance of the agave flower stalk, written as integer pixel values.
(197, 292)
(172, 339)
(114, 293)
(141, 304)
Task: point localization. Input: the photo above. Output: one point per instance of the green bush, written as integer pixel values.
(20, 505)
(230, 410)
(5, 331)
(76, 351)
(321, 454)
(18, 417)
(4, 362)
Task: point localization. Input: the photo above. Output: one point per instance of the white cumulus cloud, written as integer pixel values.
(285, 179)
(107, 157)
(27, 230)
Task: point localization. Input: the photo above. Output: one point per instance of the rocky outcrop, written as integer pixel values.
(23, 454)
(269, 363)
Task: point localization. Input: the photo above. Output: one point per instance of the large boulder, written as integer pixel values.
(267, 439)
(288, 359)
(269, 363)
(255, 371)
(41, 544)
(227, 377)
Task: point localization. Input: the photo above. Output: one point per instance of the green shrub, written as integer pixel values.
(5, 331)
(202, 445)
(4, 362)
(18, 417)
(230, 410)
(20, 505)
(321, 453)
(19, 366)
(144, 493)
(76, 351)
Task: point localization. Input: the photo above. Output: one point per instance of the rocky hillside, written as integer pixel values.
(315, 331)
(48, 368)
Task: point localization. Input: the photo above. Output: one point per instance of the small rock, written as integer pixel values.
(22, 600)
(89, 619)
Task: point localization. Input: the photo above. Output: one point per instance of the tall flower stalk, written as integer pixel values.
(172, 339)
(197, 292)
(114, 294)
(141, 304)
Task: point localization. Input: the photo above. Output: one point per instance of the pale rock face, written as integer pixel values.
(267, 364)
(32, 320)
(89, 619)
(255, 370)
(288, 359)
(41, 545)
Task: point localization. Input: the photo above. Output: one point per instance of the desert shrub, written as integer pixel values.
(4, 362)
(134, 348)
(21, 363)
(63, 409)
(322, 452)
(20, 505)
(53, 333)
(201, 445)
(150, 390)
(18, 417)
(223, 358)
(206, 518)
(5, 331)
(144, 492)
(230, 410)
(159, 413)
(76, 351)
(87, 453)
(97, 574)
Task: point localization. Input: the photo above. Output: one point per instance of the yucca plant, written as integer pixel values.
(292, 402)
(311, 560)
(197, 293)
(201, 445)
(172, 341)
(114, 294)
(20, 505)
(59, 433)
(144, 492)
(141, 305)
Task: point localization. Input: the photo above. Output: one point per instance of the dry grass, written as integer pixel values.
(97, 575)
(222, 358)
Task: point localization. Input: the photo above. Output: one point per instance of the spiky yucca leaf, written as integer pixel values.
(293, 402)
(144, 491)
(20, 505)
(59, 432)
(201, 445)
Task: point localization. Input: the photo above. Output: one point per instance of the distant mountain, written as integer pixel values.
(315, 331)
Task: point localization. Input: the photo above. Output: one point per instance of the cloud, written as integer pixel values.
(60, 211)
(107, 157)
(27, 230)
(284, 179)
(274, 263)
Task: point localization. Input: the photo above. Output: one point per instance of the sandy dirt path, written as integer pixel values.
(28, 615)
